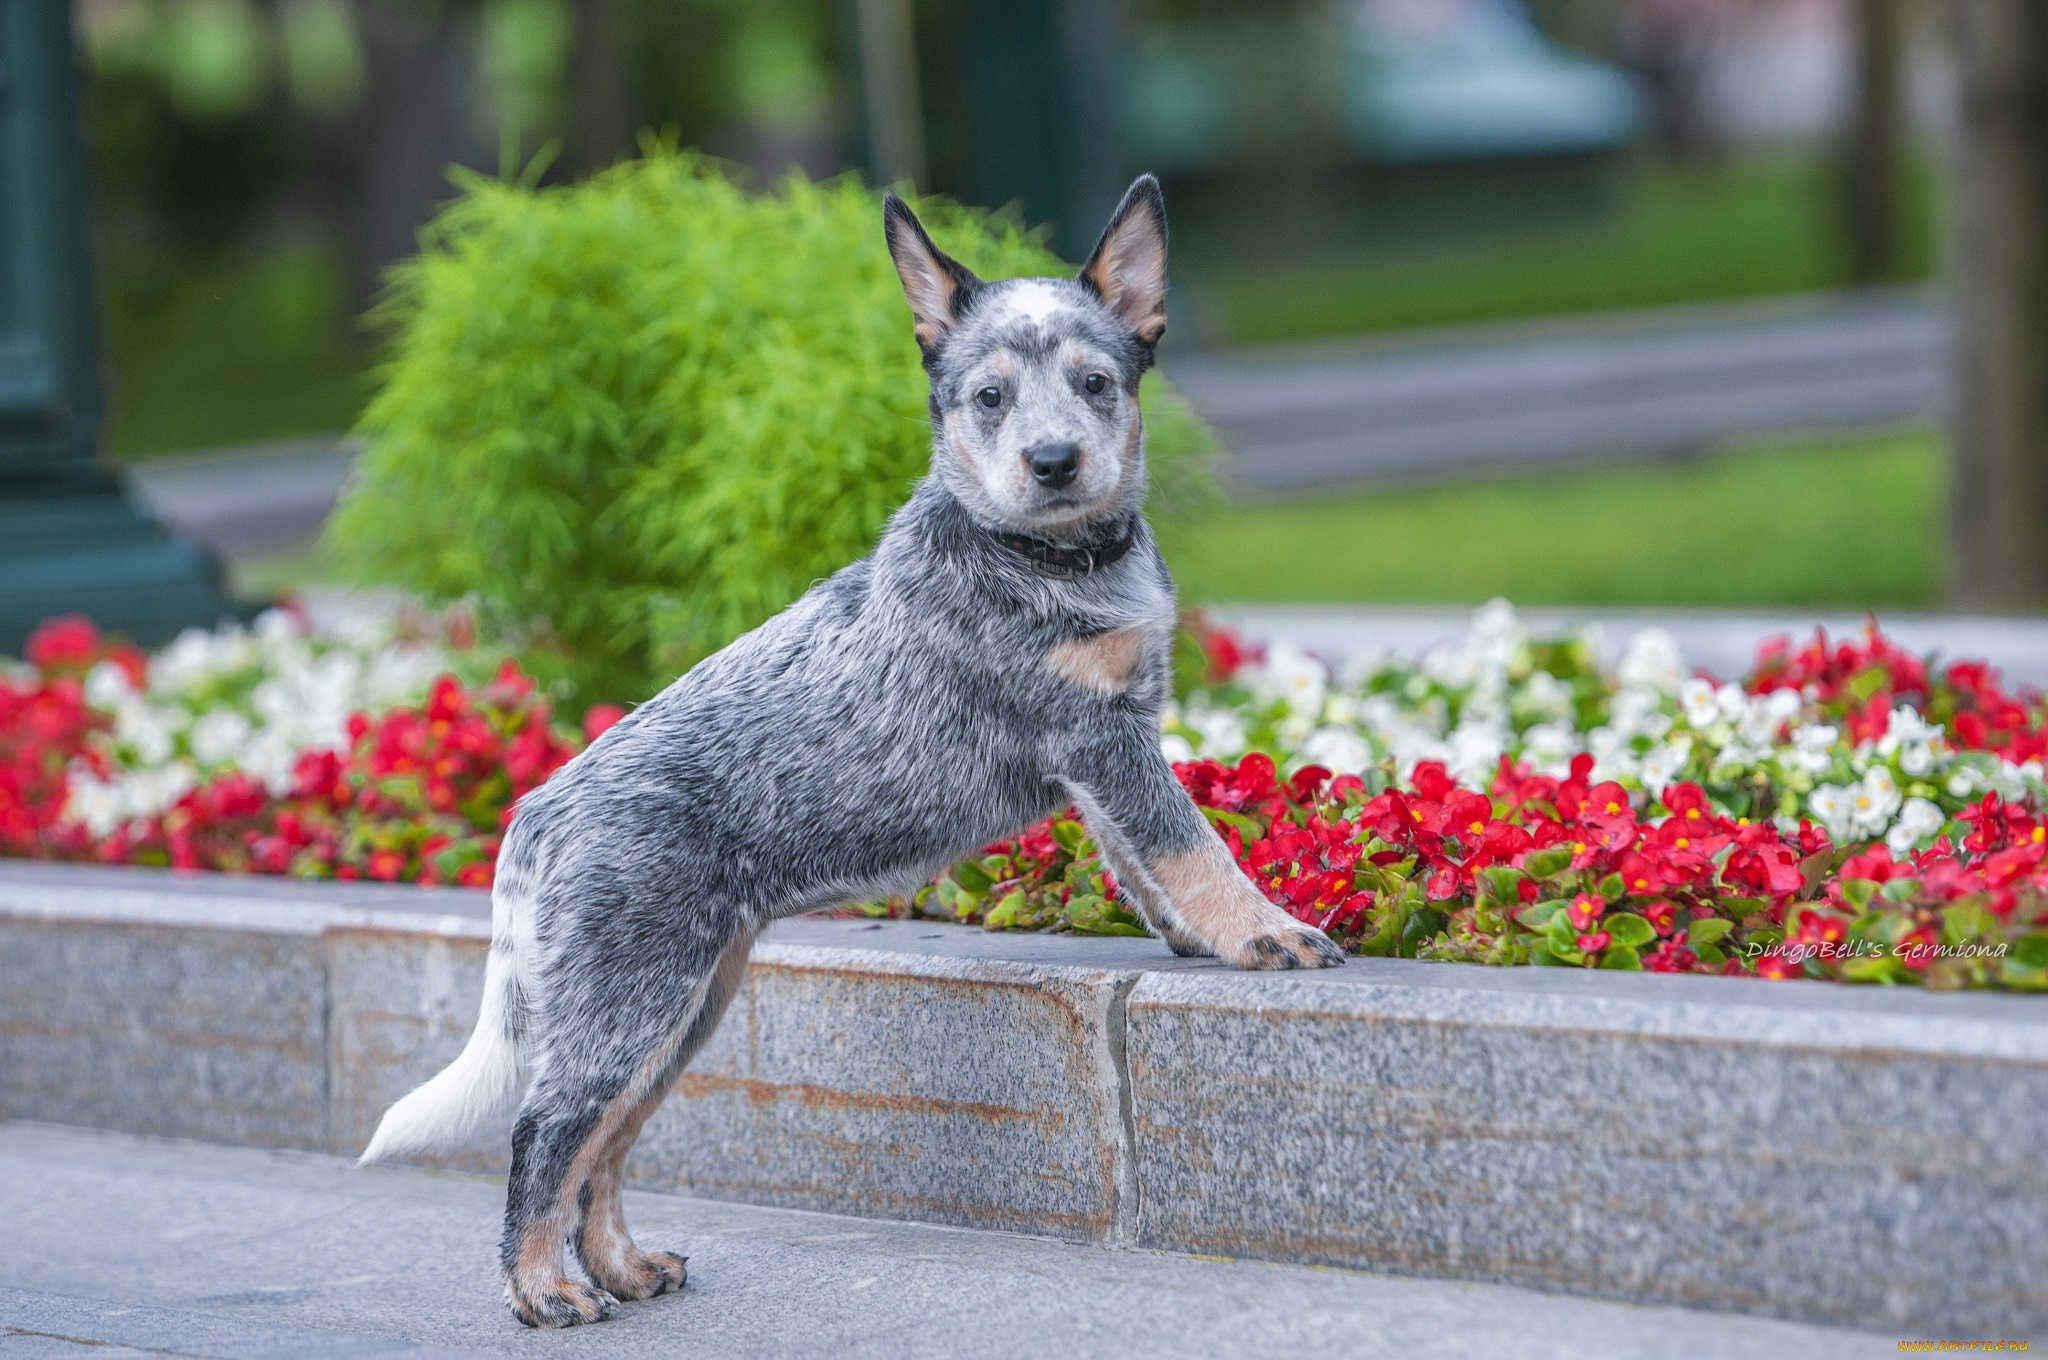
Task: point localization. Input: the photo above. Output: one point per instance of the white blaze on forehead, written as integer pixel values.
(1032, 300)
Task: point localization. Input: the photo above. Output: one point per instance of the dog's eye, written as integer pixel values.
(1095, 382)
(990, 397)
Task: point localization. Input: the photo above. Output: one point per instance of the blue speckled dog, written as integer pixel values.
(1003, 653)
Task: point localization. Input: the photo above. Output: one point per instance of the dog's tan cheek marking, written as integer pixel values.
(1212, 896)
(1104, 664)
(962, 454)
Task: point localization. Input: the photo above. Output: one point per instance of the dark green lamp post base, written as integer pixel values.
(70, 542)
(88, 551)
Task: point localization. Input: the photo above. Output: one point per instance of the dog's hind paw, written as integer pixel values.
(1290, 947)
(645, 1275)
(566, 1303)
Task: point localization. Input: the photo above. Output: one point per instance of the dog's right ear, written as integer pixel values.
(937, 285)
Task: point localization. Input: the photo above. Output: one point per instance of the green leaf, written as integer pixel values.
(1499, 883)
(1537, 916)
(1710, 954)
(1611, 888)
(1554, 860)
(1421, 926)
(1857, 892)
(1627, 928)
(1003, 914)
(1385, 940)
(1966, 921)
(2031, 951)
(1899, 890)
(1069, 835)
(1622, 959)
(1539, 957)
(1707, 930)
(970, 876)
(1886, 970)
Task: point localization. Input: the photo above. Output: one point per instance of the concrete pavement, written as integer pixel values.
(1425, 405)
(123, 1246)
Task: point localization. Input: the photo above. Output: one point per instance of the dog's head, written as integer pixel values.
(1035, 381)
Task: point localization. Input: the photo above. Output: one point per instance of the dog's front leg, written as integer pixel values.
(1173, 867)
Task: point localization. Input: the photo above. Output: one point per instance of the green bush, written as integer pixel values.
(634, 417)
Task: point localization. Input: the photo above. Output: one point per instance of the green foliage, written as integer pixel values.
(1851, 522)
(635, 417)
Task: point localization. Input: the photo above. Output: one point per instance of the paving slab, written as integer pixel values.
(121, 1245)
(1853, 1156)
(1817, 1152)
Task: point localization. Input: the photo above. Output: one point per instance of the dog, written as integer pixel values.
(1003, 654)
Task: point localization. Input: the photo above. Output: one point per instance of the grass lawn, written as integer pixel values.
(257, 346)
(1677, 233)
(1850, 522)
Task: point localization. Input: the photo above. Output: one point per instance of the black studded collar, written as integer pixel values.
(1065, 564)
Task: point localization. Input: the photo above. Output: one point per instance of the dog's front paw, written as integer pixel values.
(565, 1303)
(1288, 946)
(645, 1275)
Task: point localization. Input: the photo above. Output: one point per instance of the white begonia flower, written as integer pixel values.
(1292, 676)
(1639, 712)
(1613, 758)
(1876, 799)
(1918, 820)
(1338, 750)
(1220, 730)
(1663, 764)
(95, 802)
(107, 686)
(1548, 695)
(1341, 709)
(1550, 743)
(2008, 781)
(1697, 701)
(1918, 744)
(1652, 661)
(1764, 714)
(1834, 806)
(1176, 748)
(1813, 747)
(1967, 782)
(217, 738)
(1476, 749)
(1732, 700)
(146, 731)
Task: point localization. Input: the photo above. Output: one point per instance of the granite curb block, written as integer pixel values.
(1811, 1152)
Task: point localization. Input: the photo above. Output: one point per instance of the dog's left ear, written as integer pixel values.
(1128, 269)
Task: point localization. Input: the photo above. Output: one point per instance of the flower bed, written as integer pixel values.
(1848, 811)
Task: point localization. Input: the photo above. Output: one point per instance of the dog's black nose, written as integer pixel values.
(1055, 464)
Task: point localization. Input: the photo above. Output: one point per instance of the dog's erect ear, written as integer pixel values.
(937, 285)
(1128, 269)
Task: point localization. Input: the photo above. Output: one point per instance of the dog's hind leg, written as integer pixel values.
(602, 1243)
(610, 1031)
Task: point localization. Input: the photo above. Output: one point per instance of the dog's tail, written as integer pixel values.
(476, 1094)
